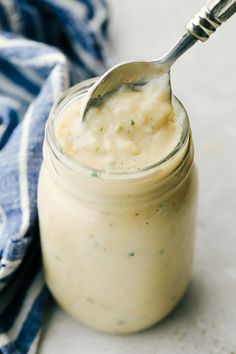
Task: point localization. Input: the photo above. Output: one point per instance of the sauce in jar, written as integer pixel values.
(117, 239)
(134, 128)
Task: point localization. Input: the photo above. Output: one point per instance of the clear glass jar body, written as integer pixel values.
(117, 249)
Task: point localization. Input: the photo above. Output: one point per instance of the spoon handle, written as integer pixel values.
(210, 16)
(202, 25)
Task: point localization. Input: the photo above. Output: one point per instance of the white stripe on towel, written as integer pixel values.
(23, 170)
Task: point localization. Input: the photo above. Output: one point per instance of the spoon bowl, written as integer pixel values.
(127, 73)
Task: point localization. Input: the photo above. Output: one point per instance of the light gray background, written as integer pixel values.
(204, 79)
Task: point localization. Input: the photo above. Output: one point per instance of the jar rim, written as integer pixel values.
(77, 91)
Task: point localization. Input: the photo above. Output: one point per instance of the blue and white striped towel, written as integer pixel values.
(45, 46)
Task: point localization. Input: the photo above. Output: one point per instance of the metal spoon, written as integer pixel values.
(201, 26)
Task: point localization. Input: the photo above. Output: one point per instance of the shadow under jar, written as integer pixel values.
(117, 247)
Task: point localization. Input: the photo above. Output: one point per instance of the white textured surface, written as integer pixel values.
(205, 81)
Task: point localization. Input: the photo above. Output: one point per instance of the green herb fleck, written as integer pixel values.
(101, 129)
(57, 258)
(132, 122)
(161, 252)
(94, 174)
(89, 299)
(136, 214)
(97, 149)
(147, 223)
(131, 254)
(121, 323)
(120, 129)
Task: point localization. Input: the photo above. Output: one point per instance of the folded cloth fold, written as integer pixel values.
(45, 46)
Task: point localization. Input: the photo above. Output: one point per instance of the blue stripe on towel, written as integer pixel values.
(15, 75)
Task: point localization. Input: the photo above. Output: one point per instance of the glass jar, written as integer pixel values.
(117, 247)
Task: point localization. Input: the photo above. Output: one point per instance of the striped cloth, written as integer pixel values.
(45, 46)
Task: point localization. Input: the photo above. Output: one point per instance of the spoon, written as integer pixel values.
(201, 26)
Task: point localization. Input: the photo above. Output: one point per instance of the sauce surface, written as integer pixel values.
(134, 128)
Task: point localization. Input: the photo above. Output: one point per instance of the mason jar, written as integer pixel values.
(117, 247)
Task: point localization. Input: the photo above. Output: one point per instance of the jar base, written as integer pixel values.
(122, 331)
